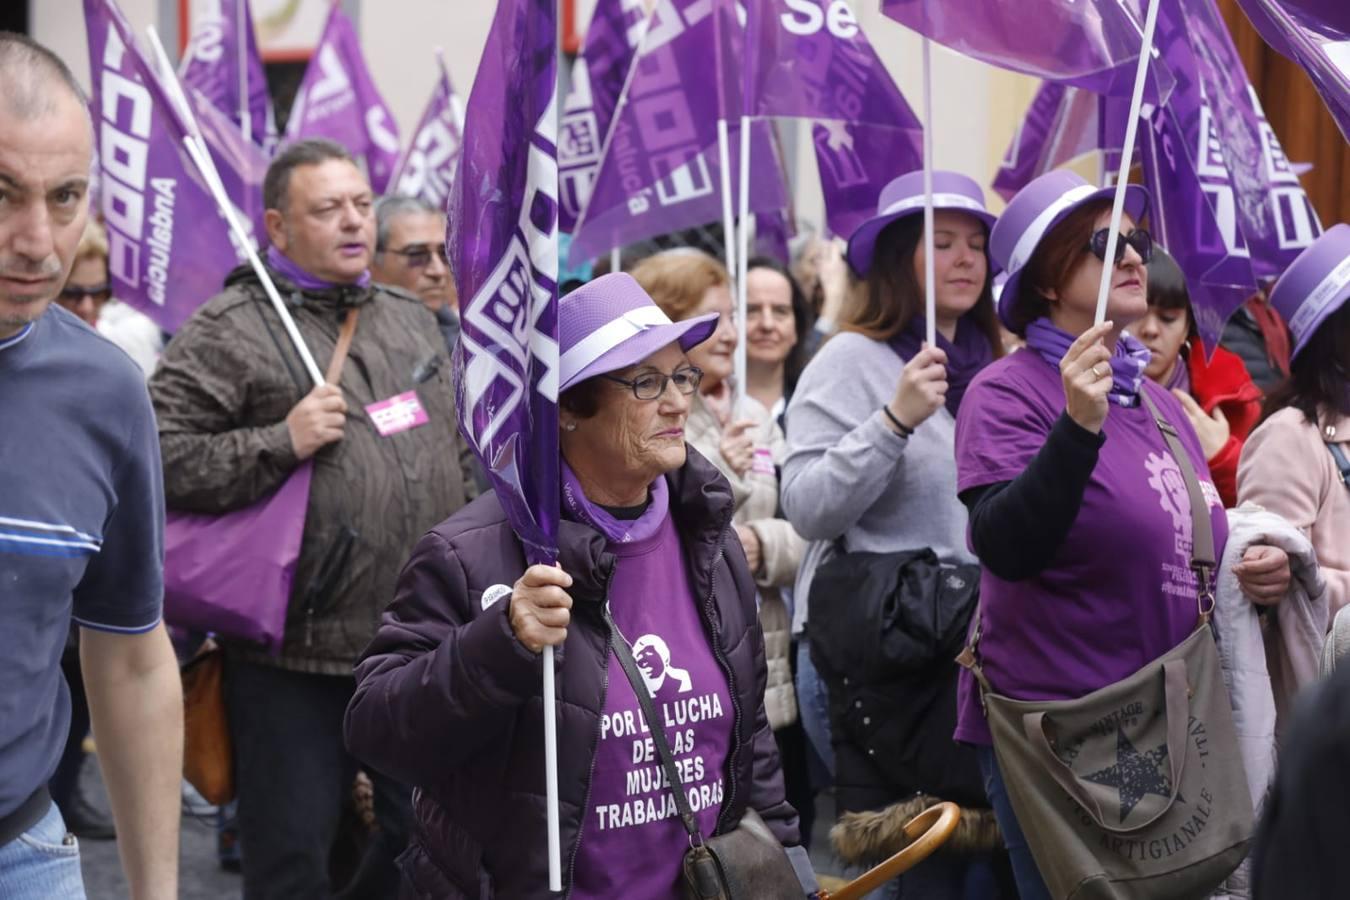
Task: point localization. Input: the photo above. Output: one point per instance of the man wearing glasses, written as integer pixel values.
(410, 254)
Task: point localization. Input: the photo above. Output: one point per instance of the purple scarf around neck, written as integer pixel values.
(1181, 374)
(580, 509)
(287, 268)
(1127, 365)
(966, 356)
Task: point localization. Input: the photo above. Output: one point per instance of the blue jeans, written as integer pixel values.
(813, 705)
(1030, 885)
(43, 863)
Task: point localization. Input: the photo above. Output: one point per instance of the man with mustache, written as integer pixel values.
(81, 519)
(237, 415)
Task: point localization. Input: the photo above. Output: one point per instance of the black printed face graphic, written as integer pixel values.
(649, 661)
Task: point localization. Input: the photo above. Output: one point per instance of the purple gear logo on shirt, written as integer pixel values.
(1165, 477)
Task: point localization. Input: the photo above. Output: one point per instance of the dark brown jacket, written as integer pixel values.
(221, 394)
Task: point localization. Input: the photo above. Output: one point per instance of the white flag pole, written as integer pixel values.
(743, 264)
(549, 688)
(1126, 159)
(728, 216)
(245, 114)
(616, 260)
(929, 278)
(201, 158)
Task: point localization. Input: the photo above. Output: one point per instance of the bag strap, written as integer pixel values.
(625, 655)
(344, 346)
(1342, 462)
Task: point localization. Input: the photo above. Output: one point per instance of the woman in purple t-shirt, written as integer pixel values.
(1078, 512)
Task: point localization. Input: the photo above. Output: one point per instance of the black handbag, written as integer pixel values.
(747, 863)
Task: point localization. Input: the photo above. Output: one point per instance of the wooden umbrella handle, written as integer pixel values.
(928, 830)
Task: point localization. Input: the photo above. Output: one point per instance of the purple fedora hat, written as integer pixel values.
(904, 197)
(1035, 211)
(611, 324)
(1315, 284)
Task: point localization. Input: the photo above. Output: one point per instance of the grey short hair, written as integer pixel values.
(309, 152)
(28, 70)
(390, 207)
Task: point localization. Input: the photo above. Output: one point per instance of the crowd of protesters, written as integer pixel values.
(707, 529)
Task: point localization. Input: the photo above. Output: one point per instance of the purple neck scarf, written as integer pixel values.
(1181, 374)
(1127, 365)
(287, 268)
(616, 531)
(966, 356)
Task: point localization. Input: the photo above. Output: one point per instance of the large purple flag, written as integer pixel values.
(428, 165)
(1092, 44)
(1316, 35)
(1062, 124)
(660, 170)
(169, 247)
(338, 100)
(855, 162)
(222, 62)
(503, 244)
(598, 77)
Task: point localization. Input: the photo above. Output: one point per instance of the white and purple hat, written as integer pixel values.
(1034, 212)
(904, 196)
(611, 323)
(1315, 285)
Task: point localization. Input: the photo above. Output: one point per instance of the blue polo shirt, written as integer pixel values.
(81, 525)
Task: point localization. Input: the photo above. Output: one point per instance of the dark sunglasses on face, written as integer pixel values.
(73, 294)
(1139, 239)
(651, 385)
(419, 255)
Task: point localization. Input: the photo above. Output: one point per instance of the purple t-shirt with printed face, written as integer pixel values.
(632, 841)
(1120, 591)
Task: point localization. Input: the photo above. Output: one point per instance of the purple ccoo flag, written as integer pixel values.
(503, 245)
(338, 100)
(1316, 35)
(598, 77)
(1091, 44)
(1062, 124)
(169, 247)
(660, 170)
(222, 62)
(428, 165)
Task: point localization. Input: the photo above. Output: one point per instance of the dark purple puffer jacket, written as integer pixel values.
(449, 701)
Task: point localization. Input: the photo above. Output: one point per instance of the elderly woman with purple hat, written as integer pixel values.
(870, 469)
(449, 691)
(1296, 462)
(1069, 481)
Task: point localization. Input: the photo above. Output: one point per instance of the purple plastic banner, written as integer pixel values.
(598, 77)
(427, 168)
(169, 247)
(772, 233)
(1316, 35)
(1062, 124)
(1092, 44)
(855, 162)
(222, 62)
(503, 244)
(660, 171)
(338, 100)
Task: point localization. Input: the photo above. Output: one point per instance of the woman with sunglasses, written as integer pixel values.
(1077, 512)
(88, 294)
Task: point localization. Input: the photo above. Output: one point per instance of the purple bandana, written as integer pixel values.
(580, 509)
(1181, 373)
(287, 268)
(1127, 365)
(965, 358)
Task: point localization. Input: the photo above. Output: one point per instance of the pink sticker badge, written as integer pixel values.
(763, 462)
(398, 413)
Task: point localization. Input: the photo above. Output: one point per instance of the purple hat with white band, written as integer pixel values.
(1315, 285)
(903, 197)
(1035, 211)
(611, 324)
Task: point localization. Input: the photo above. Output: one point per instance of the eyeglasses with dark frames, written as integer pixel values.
(1139, 239)
(651, 385)
(74, 294)
(419, 255)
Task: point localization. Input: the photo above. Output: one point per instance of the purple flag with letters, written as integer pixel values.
(598, 77)
(428, 164)
(660, 170)
(222, 62)
(169, 248)
(1091, 44)
(1316, 35)
(503, 245)
(338, 100)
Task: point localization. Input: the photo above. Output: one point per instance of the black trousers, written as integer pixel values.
(293, 776)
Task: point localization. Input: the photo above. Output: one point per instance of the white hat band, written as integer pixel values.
(1319, 298)
(607, 337)
(1026, 244)
(939, 200)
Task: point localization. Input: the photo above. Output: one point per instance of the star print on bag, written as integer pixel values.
(1135, 774)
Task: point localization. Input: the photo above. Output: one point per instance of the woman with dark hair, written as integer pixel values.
(777, 320)
(1221, 401)
(1295, 463)
(870, 469)
(1078, 509)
